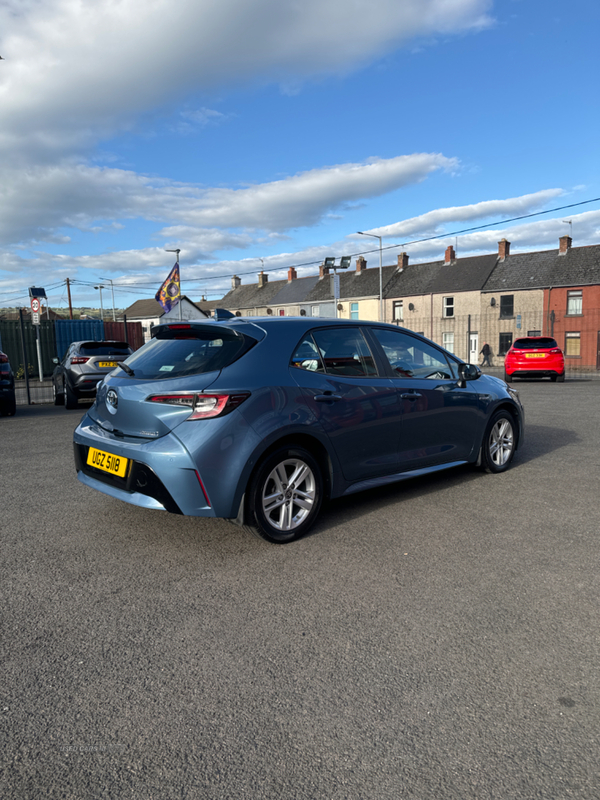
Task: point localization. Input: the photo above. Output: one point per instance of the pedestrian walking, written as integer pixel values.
(486, 352)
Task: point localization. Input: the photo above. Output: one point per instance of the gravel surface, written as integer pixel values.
(435, 639)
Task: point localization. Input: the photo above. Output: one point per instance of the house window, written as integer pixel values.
(534, 333)
(448, 307)
(507, 306)
(573, 344)
(575, 303)
(315, 311)
(448, 341)
(398, 310)
(505, 342)
(353, 310)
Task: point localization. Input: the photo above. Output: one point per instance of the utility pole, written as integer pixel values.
(101, 306)
(112, 291)
(69, 294)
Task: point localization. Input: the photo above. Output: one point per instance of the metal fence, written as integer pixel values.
(33, 367)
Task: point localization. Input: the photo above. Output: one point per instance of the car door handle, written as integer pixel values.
(328, 397)
(410, 395)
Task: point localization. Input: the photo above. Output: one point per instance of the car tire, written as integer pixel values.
(9, 409)
(285, 496)
(507, 377)
(499, 443)
(59, 399)
(70, 397)
(561, 378)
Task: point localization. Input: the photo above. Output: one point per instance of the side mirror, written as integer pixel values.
(468, 372)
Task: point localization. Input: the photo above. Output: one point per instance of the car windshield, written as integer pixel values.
(531, 344)
(105, 349)
(193, 351)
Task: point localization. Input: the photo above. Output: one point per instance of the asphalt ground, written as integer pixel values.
(435, 639)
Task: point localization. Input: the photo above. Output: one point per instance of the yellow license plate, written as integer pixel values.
(107, 462)
(107, 364)
(535, 355)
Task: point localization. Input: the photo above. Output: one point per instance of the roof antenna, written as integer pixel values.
(569, 222)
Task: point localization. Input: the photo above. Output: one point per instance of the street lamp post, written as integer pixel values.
(101, 308)
(374, 235)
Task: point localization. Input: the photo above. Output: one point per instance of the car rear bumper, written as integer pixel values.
(160, 473)
(85, 385)
(533, 373)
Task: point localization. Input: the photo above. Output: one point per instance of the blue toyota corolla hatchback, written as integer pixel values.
(260, 420)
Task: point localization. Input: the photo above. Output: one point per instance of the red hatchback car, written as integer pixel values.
(535, 357)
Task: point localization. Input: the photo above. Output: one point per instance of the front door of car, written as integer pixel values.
(358, 409)
(442, 422)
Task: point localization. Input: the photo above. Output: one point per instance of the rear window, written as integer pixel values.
(104, 349)
(176, 354)
(530, 344)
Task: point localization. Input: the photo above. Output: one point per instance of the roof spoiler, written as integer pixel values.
(222, 313)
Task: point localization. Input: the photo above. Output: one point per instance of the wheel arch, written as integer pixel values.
(311, 443)
(506, 406)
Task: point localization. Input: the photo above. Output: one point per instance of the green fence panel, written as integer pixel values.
(10, 335)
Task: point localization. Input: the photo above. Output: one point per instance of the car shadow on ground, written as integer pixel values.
(540, 440)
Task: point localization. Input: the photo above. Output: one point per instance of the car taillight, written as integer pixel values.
(3, 358)
(203, 406)
(79, 360)
(556, 351)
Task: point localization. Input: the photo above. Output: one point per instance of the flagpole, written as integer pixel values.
(179, 265)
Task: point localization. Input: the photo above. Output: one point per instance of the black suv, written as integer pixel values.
(82, 366)
(8, 403)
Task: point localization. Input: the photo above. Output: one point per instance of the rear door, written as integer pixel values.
(357, 407)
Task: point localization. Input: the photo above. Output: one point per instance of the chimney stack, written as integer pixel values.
(262, 279)
(235, 282)
(361, 265)
(292, 274)
(503, 249)
(450, 255)
(323, 270)
(402, 261)
(564, 243)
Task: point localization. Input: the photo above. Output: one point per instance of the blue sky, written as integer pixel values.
(240, 131)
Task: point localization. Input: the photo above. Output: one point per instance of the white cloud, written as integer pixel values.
(433, 221)
(40, 202)
(539, 234)
(78, 71)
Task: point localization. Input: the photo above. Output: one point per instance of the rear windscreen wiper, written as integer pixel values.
(127, 369)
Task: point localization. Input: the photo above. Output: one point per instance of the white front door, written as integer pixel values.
(473, 348)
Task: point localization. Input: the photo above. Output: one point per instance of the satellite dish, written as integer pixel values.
(411, 307)
(493, 302)
(340, 307)
(238, 313)
(302, 312)
(269, 310)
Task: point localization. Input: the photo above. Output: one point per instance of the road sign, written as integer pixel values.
(35, 317)
(35, 305)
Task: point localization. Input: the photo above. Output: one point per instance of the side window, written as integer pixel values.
(344, 351)
(412, 358)
(306, 356)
